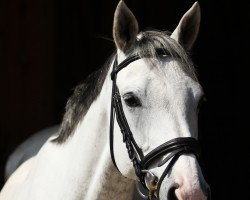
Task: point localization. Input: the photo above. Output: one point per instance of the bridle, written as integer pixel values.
(172, 149)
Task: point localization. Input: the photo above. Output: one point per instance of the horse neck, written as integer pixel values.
(92, 135)
(87, 158)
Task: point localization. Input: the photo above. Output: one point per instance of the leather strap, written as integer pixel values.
(123, 64)
(134, 152)
(111, 126)
(181, 143)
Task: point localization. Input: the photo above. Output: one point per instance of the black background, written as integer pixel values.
(48, 46)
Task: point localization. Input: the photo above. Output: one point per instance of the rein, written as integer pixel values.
(172, 149)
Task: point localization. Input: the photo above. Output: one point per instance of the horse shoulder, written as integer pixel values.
(29, 148)
(10, 189)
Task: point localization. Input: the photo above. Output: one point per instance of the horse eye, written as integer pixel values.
(131, 100)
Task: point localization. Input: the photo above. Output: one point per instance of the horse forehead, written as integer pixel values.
(166, 74)
(135, 74)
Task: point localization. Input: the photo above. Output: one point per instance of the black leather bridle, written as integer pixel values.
(172, 149)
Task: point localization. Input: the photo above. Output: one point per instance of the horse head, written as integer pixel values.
(159, 94)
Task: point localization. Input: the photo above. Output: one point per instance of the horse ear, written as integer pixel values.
(188, 28)
(125, 27)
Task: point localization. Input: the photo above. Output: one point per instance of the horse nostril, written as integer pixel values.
(171, 192)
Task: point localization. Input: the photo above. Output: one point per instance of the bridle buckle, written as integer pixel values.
(151, 181)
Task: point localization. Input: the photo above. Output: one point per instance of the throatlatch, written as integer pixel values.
(172, 149)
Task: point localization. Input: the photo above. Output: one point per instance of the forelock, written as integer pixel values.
(149, 41)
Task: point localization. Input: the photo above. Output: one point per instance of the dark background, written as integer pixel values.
(48, 46)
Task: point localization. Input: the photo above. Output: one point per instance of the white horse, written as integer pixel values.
(156, 96)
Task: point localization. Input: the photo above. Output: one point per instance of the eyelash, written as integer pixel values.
(131, 100)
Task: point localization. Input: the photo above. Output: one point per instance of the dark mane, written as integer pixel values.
(78, 104)
(88, 91)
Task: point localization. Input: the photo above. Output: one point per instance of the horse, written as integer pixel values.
(135, 119)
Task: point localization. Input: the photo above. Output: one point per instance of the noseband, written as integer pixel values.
(172, 149)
